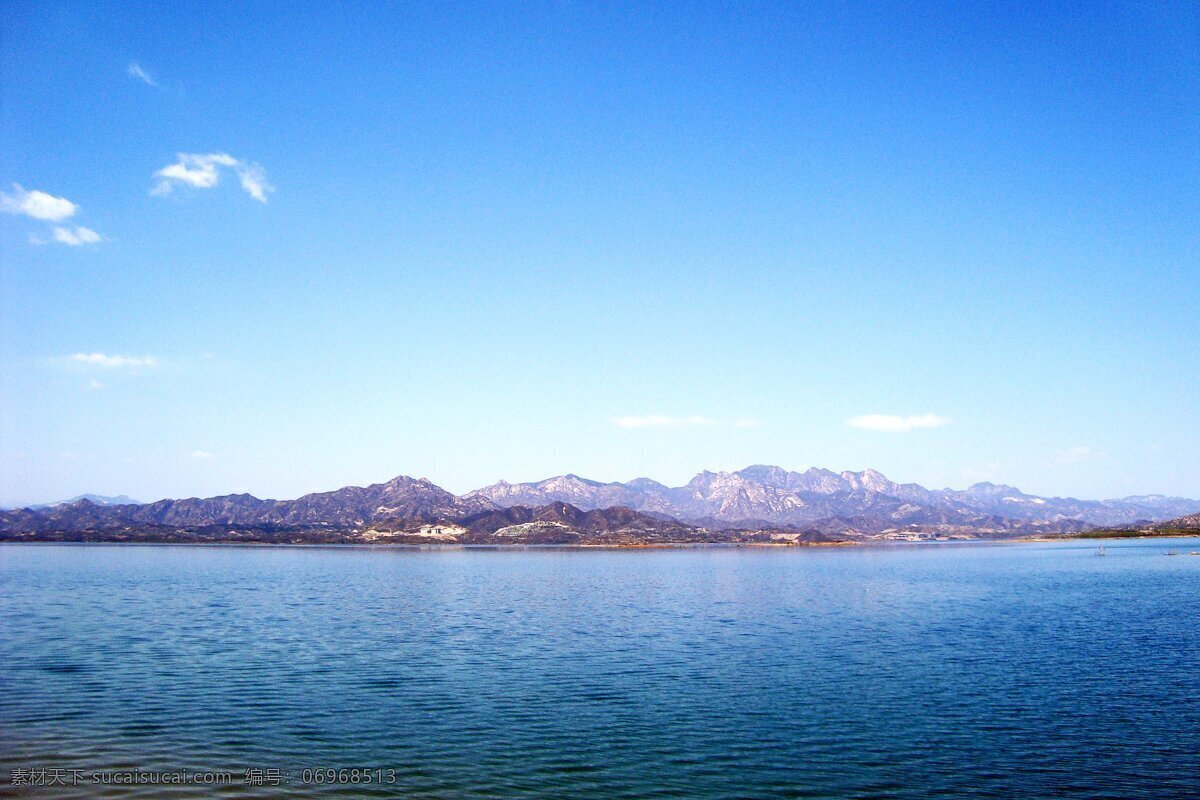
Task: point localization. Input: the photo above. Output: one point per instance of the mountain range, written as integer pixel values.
(747, 505)
(772, 495)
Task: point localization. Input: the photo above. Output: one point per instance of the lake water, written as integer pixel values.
(957, 671)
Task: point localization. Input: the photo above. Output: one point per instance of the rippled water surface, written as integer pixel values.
(956, 671)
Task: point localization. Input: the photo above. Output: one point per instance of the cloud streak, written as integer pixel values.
(663, 421)
(203, 171)
(890, 423)
(135, 70)
(77, 236)
(114, 361)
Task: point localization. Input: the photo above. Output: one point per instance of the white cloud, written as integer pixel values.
(662, 421)
(38, 205)
(113, 362)
(1079, 455)
(896, 424)
(44, 206)
(135, 69)
(95, 384)
(77, 236)
(194, 170)
(201, 455)
(200, 171)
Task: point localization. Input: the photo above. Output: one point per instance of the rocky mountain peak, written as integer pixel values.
(869, 480)
(766, 474)
(570, 479)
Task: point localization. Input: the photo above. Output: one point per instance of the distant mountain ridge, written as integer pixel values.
(759, 497)
(777, 496)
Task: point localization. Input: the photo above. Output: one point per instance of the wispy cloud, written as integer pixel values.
(36, 204)
(135, 69)
(114, 361)
(77, 236)
(254, 181)
(202, 171)
(201, 455)
(1079, 455)
(663, 421)
(890, 423)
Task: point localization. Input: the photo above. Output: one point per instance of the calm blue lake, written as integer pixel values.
(957, 671)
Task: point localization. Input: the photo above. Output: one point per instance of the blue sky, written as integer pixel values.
(953, 242)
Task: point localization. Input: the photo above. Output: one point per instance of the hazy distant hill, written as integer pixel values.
(98, 499)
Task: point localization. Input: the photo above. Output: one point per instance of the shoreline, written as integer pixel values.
(434, 546)
(455, 545)
(1104, 536)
